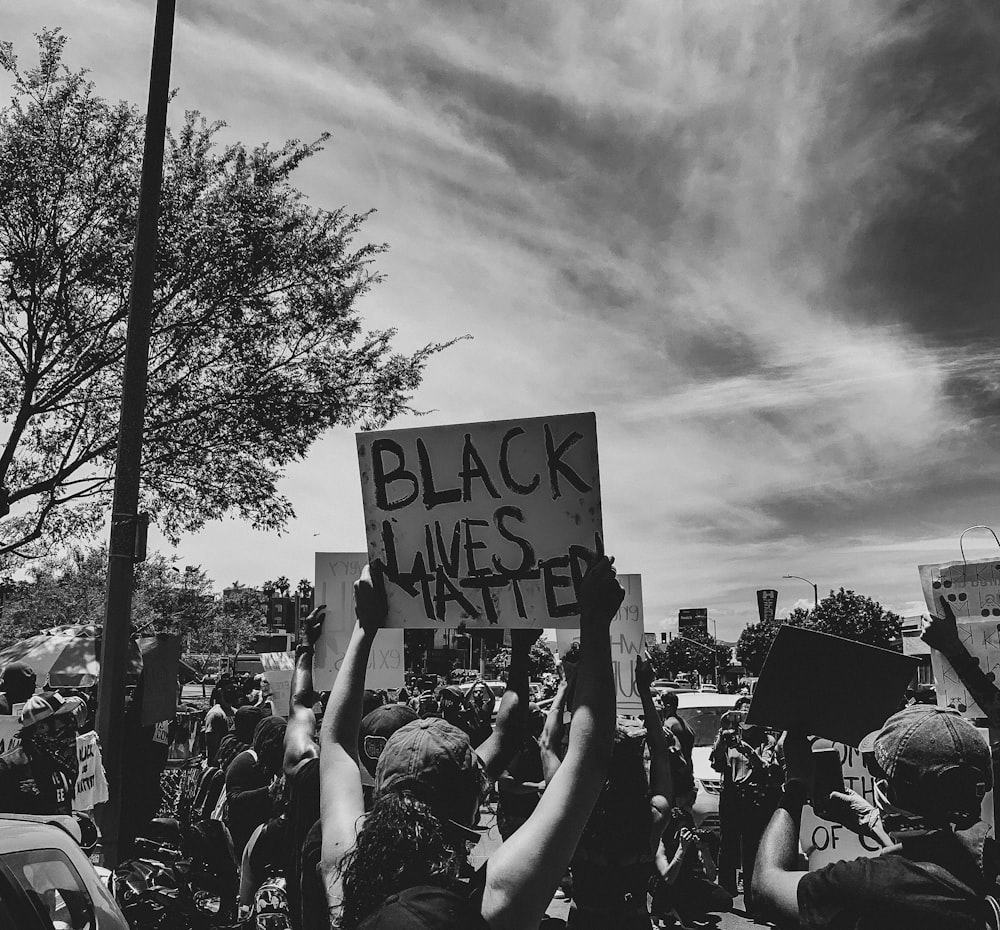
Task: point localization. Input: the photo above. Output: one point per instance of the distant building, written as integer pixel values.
(914, 646)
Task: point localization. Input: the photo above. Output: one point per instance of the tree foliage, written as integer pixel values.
(70, 589)
(257, 346)
(540, 660)
(696, 652)
(842, 613)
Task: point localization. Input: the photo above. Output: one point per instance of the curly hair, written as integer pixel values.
(402, 844)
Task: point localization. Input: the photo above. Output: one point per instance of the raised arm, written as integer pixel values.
(341, 799)
(661, 783)
(941, 633)
(522, 875)
(507, 737)
(550, 742)
(300, 734)
(775, 877)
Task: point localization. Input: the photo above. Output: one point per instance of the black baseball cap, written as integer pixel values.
(377, 727)
(425, 907)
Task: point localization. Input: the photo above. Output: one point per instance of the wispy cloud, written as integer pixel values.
(759, 239)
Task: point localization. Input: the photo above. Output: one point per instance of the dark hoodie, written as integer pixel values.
(241, 738)
(248, 781)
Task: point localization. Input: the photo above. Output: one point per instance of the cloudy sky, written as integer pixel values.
(759, 238)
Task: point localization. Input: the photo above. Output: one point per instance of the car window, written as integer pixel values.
(54, 887)
(705, 721)
(498, 689)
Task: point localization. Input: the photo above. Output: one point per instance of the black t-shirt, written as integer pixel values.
(934, 884)
(315, 912)
(303, 812)
(248, 799)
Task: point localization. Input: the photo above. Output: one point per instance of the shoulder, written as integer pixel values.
(304, 774)
(846, 886)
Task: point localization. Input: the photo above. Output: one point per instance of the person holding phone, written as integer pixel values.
(751, 783)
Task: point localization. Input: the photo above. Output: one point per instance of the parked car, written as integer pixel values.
(702, 711)
(47, 881)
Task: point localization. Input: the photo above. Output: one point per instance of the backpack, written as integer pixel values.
(221, 811)
(210, 786)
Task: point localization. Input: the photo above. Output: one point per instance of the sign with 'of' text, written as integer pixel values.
(972, 590)
(336, 573)
(627, 642)
(279, 667)
(483, 524)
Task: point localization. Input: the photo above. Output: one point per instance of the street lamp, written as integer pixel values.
(814, 586)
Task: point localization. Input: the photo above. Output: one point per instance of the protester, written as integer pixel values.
(17, 685)
(686, 890)
(941, 633)
(479, 703)
(751, 780)
(220, 718)
(613, 862)
(307, 903)
(240, 737)
(683, 770)
(931, 769)
(407, 855)
(251, 792)
(39, 776)
(523, 782)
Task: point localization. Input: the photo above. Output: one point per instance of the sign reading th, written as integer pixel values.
(484, 524)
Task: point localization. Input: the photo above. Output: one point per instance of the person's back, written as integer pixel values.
(934, 882)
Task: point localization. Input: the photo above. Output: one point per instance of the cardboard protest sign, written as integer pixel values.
(828, 686)
(483, 524)
(972, 590)
(824, 842)
(627, 642)
(160, 657)
(278, 670)
(9, 728)
(336, 573)
(91, 783)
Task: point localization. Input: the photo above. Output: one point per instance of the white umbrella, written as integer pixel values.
(68, 656)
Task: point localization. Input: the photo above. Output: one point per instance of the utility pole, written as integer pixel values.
(125, 506)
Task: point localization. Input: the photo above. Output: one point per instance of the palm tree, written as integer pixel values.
(283, 584)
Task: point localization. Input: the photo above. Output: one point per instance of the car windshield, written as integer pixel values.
(705, 722)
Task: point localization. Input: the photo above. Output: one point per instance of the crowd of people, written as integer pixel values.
(361, 809)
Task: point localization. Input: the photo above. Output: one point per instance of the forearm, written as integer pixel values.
(779, 846)
(551, 739)
(708, 862)
(592, 729)
(672, 870)
(512, 716)
(302, 679)
(660, 780)
(980, 687)
(342, 720)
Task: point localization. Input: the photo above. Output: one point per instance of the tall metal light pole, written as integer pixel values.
(814, 587)
(125, 506)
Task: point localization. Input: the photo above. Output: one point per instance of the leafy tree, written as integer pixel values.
(70, 589)
(257, 346)
(696, 652)
(540, 660)
(842, 613)
(231, 629)
(754, 643)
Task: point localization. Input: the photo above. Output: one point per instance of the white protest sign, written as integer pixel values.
(483, 524)
(824, 842)
(9, 728)
(91, 783)
(972, 589)
(278, 670)
(336, 573)
(627, 642)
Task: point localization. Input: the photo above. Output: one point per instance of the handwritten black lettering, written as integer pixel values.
(471, 545)
(553, 458)
(473, 466)
(383, 479)
(527, 552)
(505, 473)
(432, 497)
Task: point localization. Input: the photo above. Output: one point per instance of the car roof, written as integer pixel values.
(26, 831)
(706, 699)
